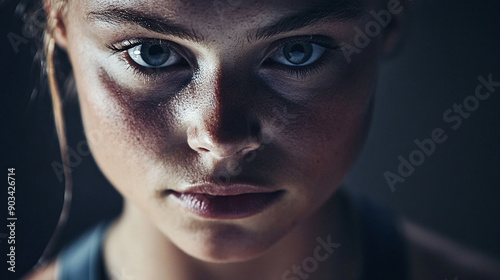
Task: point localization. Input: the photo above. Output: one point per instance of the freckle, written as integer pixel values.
(317, 161)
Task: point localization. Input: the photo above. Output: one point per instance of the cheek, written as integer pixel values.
(141, 138)
(328, 127)
(122, 134)
(328, 144)
(324, 140)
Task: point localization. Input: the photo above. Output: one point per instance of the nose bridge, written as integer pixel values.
(230, 115)
(224, 126)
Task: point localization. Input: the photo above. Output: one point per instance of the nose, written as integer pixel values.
(222, 125)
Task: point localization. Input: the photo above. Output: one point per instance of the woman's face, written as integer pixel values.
(252, 99)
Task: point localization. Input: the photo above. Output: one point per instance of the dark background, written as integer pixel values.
(455, 192)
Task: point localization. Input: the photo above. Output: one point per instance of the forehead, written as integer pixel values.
(208, 13)
(208, 7)
(219, 22)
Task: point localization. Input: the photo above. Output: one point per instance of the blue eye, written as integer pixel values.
(154, 55)
(298, 54)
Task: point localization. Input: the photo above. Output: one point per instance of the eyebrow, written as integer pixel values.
(158, 25)
(341, 11)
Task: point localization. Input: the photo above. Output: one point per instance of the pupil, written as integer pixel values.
(155, 55)
(298, 53)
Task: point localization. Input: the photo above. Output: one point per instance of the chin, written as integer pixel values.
(221, 254)
(226, 244)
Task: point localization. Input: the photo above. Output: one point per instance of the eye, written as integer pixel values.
(298, 54)
(154, 55)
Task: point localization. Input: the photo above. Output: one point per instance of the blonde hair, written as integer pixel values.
(49, 47)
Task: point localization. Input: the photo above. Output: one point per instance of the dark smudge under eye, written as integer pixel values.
(151, 123)
(147, 114)
(156, 87)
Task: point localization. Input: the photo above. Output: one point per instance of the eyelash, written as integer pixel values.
(143, 72)
(298, 71)
(302, 72)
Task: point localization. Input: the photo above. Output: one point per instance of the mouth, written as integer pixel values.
(226, 202)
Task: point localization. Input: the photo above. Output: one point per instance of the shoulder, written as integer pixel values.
(46, 273)
(434, 257)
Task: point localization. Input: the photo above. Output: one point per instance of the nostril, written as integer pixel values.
(221, 142)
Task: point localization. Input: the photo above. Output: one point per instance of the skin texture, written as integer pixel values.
(186, 126)
(226, 115)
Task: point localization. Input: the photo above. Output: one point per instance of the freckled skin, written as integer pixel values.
(190, 125)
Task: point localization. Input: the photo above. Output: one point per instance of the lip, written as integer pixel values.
(226, 202)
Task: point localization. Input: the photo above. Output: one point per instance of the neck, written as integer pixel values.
(325, 246)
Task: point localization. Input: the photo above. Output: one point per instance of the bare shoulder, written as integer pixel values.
(434, 257)
(46, 273)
